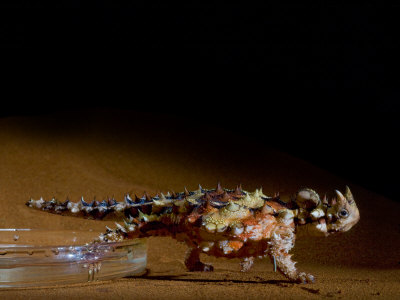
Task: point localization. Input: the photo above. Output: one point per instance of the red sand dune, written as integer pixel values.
(111, 153)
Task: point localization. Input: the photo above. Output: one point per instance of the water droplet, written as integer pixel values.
(55, 251)
(16, 237)
(30, 252)
(3, 252)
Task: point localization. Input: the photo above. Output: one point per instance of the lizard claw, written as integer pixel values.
(208, 268)
(200, 267)
(305, 278)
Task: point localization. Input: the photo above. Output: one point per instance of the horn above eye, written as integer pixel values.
(340, 196)
(349, 195)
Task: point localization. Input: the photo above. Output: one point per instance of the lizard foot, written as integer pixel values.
(200, 267)
(246, 264)
(305, 278)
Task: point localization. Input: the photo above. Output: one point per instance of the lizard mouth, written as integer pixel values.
(324, 226)
(334, 230)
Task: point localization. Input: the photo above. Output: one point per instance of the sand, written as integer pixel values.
(110, 153)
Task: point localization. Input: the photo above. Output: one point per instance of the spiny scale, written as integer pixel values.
(146, 204)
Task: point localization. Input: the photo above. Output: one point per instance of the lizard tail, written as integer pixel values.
(109, 209)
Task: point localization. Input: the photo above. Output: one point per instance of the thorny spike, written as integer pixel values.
(325, 200)
(143, 216)
(137, 199)
(349, 195)
(147, 197)
(238, 189)
(225, 196)
(162, 197)
(200, 188)
(111, 202)
(247, 197)
(340, 196)
(186, 192)
(207, 196)
(120, 227)
(219, 189)
(128, 200)
(208, 202)
(256, 193)
(84, 203)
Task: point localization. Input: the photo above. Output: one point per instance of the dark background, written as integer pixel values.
(317, 81)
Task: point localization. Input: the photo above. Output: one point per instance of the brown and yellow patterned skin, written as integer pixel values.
(221, 222)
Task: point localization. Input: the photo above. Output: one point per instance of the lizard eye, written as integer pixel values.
(344, 213)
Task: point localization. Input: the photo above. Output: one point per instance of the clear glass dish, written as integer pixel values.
(32, 257)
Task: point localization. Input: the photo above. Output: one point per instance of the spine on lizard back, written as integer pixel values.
(148, 207)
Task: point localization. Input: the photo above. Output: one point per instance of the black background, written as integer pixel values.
(318, 81)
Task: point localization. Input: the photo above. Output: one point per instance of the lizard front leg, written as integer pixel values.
(280, 245)
(247, 263)
(193, 262)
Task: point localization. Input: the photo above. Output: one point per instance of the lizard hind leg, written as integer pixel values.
(193, 263)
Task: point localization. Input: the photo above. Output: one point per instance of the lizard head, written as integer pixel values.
(339, 214)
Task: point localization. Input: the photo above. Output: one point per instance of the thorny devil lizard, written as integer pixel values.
(221, 222)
